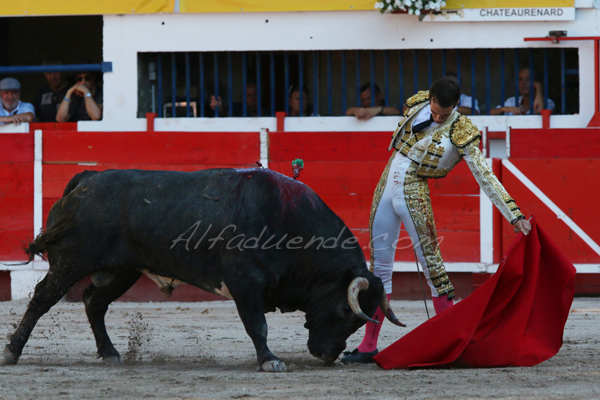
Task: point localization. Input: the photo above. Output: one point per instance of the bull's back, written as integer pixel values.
(138, 214)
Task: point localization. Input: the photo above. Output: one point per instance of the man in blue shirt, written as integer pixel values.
(12, 109)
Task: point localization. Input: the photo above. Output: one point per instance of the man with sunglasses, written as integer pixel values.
(83, 101)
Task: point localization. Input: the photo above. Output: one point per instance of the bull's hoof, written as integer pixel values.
(115, 360)
(273, 366)
(9, 358)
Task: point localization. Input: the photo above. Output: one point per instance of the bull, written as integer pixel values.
(253, 235)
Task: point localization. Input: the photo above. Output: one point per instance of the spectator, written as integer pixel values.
(523, 105)
(83, 101)
(366, 111)
(49, 97)
(13, 110)
(294, 93)
(251, 102)
(238, 107)
(215, 101)
(465, 104)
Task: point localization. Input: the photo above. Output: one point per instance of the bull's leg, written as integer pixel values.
(251, 310)
(96, 301)
(47, 293)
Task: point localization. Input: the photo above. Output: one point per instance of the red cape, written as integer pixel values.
(516, 317)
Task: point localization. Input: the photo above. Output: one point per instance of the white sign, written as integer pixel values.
(504, 14)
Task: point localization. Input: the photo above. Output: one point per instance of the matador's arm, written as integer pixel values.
(488, 182)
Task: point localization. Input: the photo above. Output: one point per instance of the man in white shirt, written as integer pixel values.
(465, 105)
(12, 110)
(523, 106)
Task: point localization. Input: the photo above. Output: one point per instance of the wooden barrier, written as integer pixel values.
(67, 153)
(16, 194)
(342, 167)
(573, 185)
(555, 143)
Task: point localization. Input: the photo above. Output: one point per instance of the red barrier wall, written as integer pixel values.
(66, 153)
(573, 185)
(555, 143)
(16, 194)
(342, 167)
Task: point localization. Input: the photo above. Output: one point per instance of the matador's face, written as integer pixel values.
(439, 113)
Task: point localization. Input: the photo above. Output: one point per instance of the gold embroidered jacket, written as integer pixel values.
(436, 150)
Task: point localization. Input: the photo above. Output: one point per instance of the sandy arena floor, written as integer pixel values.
(201, 351)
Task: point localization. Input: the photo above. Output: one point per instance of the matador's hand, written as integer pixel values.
(522, 225)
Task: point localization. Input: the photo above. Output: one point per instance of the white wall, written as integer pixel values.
(126, 35)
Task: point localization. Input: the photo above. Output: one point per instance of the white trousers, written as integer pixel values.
(406, 200)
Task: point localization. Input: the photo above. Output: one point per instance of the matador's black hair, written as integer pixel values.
(446, 91)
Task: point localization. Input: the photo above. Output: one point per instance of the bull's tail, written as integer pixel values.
(44, 241)
(47, 238)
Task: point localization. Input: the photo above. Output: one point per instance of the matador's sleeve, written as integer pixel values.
(488, 182)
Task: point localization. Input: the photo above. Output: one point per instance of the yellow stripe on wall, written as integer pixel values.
(205, 6)
(98, 7)
(87, 7)
(200, 6)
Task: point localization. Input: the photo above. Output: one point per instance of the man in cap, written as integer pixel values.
(12, 109)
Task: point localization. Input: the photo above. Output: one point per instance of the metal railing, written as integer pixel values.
(331, 80)
(103, 67)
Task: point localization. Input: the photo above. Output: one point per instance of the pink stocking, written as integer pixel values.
(441, 304)
(369, 342)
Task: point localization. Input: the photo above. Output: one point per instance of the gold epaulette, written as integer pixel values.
(418, 98)
(463, 132)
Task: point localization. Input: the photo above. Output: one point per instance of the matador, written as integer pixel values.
(430, 140)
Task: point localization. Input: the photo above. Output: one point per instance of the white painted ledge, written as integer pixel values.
(22, 283)
(12, 128)
(35, 265)
(313, 124)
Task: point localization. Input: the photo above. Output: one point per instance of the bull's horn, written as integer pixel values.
(387, 311)
(357, 285)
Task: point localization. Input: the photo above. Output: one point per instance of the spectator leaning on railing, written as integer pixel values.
(522, 106)
(13, 110)
(366, 111)
(83, 101)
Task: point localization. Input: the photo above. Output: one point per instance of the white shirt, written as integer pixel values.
(510, 102)
(467, 101)
(21, 108)
(423, 116)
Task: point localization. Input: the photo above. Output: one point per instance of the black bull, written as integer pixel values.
(254, 235)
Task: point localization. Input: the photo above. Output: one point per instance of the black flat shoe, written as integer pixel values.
(359, 358)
